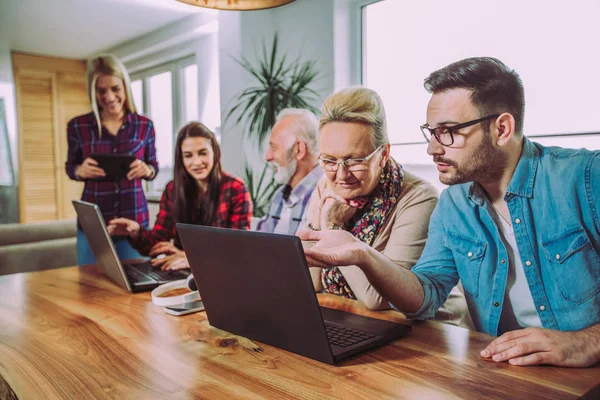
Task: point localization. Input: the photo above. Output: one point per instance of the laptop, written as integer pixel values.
(258, 285)
(136, 275)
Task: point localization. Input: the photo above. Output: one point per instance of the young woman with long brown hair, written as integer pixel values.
(200, 193)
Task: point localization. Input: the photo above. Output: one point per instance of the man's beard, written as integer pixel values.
(284, 174)
(486, 164)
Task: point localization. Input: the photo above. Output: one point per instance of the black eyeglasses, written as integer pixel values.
(445, 134)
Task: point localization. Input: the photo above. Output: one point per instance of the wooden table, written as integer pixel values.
(71, 333)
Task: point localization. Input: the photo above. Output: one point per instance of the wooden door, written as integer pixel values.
(37, 177)
(50, 92)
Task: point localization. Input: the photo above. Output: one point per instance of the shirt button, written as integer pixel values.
(543, 308)
(503, 261)
(528, 263)
(518, 221)
(558, 256)
(496, 304)
(470, 254)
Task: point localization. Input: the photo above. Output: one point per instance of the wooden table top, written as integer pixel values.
(71, 333)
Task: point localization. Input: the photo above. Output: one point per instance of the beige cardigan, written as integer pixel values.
(401, 238)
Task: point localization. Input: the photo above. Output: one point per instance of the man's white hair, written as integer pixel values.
(305, 126)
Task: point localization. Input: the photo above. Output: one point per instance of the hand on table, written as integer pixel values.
(531, 346)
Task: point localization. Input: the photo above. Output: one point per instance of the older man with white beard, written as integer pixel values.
(293, 152)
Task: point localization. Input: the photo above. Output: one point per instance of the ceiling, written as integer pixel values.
(81, 28)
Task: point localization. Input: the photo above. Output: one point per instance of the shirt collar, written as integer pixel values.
(523, 178)
(306, 184)
(127, 119)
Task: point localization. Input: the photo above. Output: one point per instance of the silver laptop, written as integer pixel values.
(134, 275)
(258, 285)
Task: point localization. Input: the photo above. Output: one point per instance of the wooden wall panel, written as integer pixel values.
(50, 91)
(37, 182)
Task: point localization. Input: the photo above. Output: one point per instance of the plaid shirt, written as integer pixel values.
(234, 211)
(115, 198)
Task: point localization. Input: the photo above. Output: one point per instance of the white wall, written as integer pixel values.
(313, 29)
(305, 28)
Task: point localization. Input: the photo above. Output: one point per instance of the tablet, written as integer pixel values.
(116, 166)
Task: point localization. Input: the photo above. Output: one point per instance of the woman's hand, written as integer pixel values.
(174, 261)
(165, 248)
(123, 227)
(89, 169)
(335, 210)
(139, 169)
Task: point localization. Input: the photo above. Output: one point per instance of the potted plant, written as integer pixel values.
(281, 84)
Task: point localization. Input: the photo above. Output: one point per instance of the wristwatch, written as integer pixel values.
(152, 172)
(335, 227)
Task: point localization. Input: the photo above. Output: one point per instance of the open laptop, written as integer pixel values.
(258, 285)
(134, 275)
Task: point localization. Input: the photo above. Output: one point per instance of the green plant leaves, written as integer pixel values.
(261, 192)
(280, 84)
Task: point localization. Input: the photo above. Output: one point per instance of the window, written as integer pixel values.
(168, 94)
(552, 52)
(161, 109)
(138, 98)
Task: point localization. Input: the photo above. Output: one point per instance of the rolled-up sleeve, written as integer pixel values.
(436, 269)
(150, 153)
(74, 153)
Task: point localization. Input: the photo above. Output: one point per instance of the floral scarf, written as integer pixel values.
(367, 222)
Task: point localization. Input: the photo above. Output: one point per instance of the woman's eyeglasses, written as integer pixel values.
(351, 164)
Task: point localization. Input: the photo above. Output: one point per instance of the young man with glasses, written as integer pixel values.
(519, 226)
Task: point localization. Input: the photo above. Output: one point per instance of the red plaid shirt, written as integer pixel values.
(115, 198)
(234, 211)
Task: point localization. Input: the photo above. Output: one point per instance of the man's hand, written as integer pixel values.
(138, 169)
(532, 346)
(123, 227)
(333, 248)
(89, 169)
(335, 210)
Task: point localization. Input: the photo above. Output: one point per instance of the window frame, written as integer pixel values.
(175, 67)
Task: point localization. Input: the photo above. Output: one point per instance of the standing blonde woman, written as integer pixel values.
(112, 127)
(369, 194)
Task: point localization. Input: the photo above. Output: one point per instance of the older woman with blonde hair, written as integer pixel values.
(368, 193)
(113, 127)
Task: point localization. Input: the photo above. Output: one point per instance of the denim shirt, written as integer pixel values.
(554, 204)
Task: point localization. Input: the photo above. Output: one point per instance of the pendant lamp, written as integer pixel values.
(237, 5)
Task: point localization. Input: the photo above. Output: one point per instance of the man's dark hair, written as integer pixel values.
(495, 87)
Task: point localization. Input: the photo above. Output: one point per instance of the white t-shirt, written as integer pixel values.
(518, 310)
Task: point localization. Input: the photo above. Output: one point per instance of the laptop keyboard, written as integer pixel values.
(345, 337)
(144, 272)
